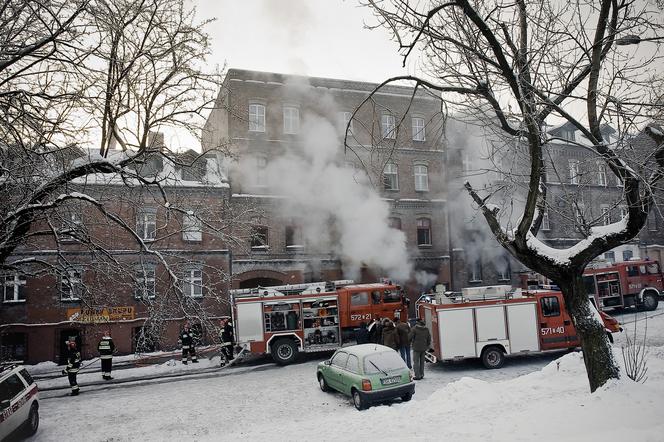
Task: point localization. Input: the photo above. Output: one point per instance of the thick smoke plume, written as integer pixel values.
(328, 196)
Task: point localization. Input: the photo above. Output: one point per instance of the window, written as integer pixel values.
(340, 359)
(14, 347)
(375, 297)
(261, 174)
(259, 236)
(606, 215)
(145, 282)
(601, 174)
(360, 298)
(567, 134)
(387, 124)
(546, 221)
(632, 271)
(353, 364)
(71, 285)
(573, 171)
(192, 172)
(550, 306)
(293, 236)
(610, 256)
(13, 288)
(390, 296)
(291, 120)
(386, 361)
(10, 388)
(192, 227)
(193, 283)
(423, 232)
(418, 129)
(395, 223)
(71, 224)
(391, 177)
(578, 212)
(627, 254)
(652, 221)
(421, 178)
(476, 271)
(466, 163)
(623, 212)
(345, 119)
(256, 118)
(504, 271)
(146, 224)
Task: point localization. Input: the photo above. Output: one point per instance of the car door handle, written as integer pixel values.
(566, 322)
(542, 324)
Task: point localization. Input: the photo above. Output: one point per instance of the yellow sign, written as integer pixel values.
(96, 315)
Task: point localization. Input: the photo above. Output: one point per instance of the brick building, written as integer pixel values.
(395, 139)
(97, 277)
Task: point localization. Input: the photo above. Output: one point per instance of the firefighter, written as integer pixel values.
(106, 348)
(73, 365)
(188, 345)
(227, 340)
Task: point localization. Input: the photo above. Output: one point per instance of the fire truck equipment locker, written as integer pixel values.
(457, 333)
(522, 327)
(249, 322)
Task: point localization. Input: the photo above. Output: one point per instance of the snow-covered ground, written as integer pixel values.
(542, 398)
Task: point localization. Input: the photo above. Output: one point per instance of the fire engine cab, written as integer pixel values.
(491, 324)
(311, 317)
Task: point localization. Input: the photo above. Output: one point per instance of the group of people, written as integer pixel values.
(401, 337)
(106, 349)
(188, 339)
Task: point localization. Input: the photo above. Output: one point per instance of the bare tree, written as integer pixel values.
(84, 87)
(511, 65)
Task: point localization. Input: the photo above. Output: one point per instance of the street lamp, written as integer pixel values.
(632, 39)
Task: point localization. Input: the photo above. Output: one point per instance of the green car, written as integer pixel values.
(368, 373)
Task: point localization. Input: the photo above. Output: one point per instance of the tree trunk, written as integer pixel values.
(597, 353)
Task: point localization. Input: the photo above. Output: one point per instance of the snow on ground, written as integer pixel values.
(534, 398)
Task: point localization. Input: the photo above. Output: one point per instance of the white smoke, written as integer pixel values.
(425, 279)
(325, 194)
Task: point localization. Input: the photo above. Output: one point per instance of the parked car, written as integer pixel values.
(368, 373)
(19, 406)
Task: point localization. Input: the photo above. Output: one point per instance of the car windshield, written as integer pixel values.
(386, 361)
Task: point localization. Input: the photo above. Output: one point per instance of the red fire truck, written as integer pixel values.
(312, 317)
(492, 327)
(625, 284)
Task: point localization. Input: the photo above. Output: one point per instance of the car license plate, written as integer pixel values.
(392, 380)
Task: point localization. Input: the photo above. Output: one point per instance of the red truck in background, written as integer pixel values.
(494, 326)
(319, 316)
(635, 283)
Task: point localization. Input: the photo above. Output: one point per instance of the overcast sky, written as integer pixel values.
(323, 38)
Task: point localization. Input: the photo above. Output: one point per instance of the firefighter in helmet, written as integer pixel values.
(106, 348)
(227, 340)
(73, 364)
(187, 339)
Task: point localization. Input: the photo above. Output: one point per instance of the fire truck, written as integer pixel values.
(625, 284)
(312, 317)
(491, 324)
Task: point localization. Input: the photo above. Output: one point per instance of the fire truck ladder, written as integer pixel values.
(310, 288)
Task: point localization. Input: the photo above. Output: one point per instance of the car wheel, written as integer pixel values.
(284, 351)
(650, 301)
(32, 423)
(321, 382)
(359, 403)
(406, 397)
(493, 357)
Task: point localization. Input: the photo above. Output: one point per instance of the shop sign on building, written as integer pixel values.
(97, 315)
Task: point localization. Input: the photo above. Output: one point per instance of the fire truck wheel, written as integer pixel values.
(359, 403)
(322, 383)
(493, 357)
(650, 301)
(284, 351)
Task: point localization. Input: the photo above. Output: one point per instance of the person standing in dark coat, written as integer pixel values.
(403, 329)
(390, 335)
(376, 331)
(73, 365)
(227, 340)
(188, 345)
(420, 339)
(106, 348)
(362, 334)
